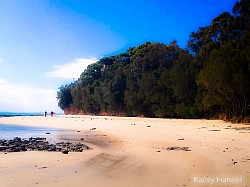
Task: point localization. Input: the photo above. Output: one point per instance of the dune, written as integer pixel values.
(130, 151)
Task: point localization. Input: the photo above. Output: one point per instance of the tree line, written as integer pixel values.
(210, 78)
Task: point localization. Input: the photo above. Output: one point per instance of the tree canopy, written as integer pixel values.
(208, 79)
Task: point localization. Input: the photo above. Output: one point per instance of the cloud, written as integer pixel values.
(70, 70)
(3, 81)
(1, 61)
(24, 98)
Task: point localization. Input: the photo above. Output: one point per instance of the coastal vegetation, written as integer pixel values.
(210, 78)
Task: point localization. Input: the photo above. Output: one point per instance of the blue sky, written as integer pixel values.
(47, 43)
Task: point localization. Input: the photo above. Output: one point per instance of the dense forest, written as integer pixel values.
(210, 78)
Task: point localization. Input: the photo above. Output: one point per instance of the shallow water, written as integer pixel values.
(8, 114)
(8, 132)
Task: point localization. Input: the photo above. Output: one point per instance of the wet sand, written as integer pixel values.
(134, 152)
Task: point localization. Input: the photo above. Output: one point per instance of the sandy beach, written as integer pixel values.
(134, 152)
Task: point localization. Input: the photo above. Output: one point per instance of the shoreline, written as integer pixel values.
(133, 151)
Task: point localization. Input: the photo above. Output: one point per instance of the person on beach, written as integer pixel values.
(45, 113)
(51, 113)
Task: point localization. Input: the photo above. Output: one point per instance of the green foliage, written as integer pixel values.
(64, 96)
(182, 76)
(225, 78)
(158, 80)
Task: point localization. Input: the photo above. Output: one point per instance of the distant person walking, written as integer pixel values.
(51, 113)
(45, 113)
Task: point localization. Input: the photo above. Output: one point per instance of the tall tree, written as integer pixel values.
(182, 76)
(64, 96)
(226, 81)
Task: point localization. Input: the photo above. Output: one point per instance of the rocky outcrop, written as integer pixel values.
(39, 144)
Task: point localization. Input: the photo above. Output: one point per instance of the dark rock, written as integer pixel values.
(23, 148)
(16, 149)
(3, 148)
(65, 152)
(39, 144)
(175, 148)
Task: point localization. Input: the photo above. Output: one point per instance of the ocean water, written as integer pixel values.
(8, 132)
(8, 114)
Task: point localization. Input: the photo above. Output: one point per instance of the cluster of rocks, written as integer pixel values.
(175, 148)
(39, 144)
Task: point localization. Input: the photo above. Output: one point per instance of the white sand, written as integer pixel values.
(132, 152)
